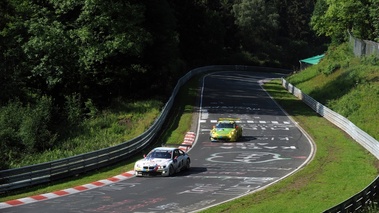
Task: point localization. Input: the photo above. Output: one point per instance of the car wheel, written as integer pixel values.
(188, 164)
(171, 170)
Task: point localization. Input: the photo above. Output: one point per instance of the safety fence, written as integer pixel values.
(50, 171)
(367, 196)
(363, 47)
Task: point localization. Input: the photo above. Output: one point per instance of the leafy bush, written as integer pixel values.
(92, 110)
(371, 60)
(331, 68)
(24, 130)
(10, 144)
(74, 109)
(34, 129)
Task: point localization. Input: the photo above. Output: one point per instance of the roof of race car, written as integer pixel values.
(165, 148)
(228, 120)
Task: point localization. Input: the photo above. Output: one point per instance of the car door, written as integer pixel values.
(182, 158)
(175, 161)
(178, 159)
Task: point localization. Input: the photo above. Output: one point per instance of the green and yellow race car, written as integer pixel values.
(226, 129)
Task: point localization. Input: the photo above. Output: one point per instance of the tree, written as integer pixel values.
(12, 67)
(70, 47)
(111, 40)
(335, 18)
(201, 32)
(374, 11)
(258, 21)
(294, 17)
(162, 57)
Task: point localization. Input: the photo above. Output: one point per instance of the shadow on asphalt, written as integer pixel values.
(191, 171)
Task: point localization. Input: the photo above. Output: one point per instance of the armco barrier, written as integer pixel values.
(367, 196)
(46, 172)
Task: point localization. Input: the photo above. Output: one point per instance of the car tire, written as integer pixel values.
(188, 164)
(171, 170)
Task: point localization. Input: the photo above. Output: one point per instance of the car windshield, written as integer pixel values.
(224, 125)
(160, 154)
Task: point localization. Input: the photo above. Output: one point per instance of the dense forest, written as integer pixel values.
(63, 60)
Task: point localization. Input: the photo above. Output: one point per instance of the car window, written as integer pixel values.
(225, 125)
(176, 153)
(159, 154)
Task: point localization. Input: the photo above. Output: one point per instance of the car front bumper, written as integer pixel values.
(220, 138)
(151, 171)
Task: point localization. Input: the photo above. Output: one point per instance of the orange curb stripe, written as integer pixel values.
(113, 179)
(38, 197)
(80, 188)
(60, 193)
(14, 202)
(97, 183)
(127, 174)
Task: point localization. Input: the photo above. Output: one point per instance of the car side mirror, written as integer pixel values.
(144, 156)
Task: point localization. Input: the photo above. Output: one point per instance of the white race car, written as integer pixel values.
(163, 161)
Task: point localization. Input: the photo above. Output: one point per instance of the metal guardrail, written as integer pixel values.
(367, 196)
(50, 171)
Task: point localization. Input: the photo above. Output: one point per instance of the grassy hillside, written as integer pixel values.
(346, 84)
